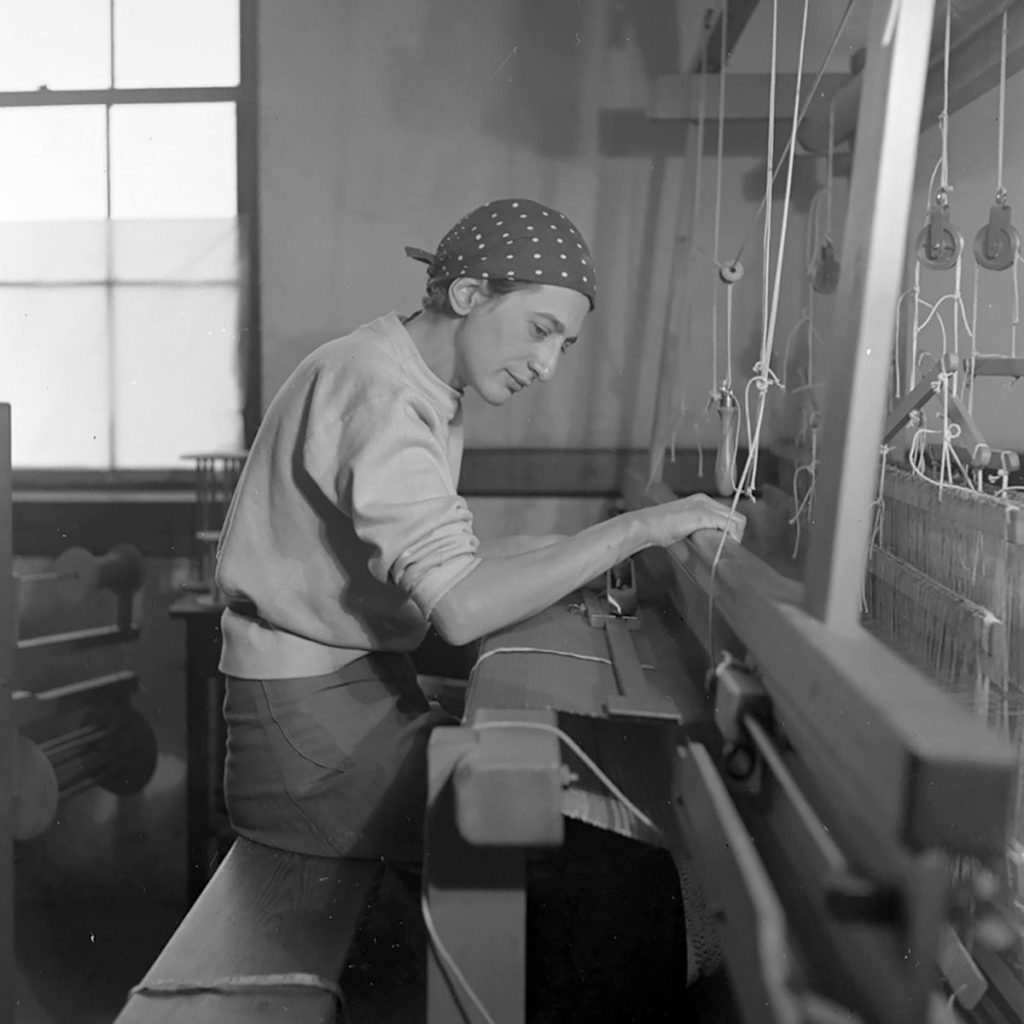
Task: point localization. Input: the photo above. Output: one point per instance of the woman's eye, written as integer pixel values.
(537, 331)
(568, 344)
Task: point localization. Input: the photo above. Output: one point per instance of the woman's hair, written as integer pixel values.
(436, 299)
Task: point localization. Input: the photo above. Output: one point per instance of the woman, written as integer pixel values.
(347, 538)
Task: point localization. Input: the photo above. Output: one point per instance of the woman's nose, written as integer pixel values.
(545, 363)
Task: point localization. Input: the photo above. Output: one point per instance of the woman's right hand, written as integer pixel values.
(675, 520)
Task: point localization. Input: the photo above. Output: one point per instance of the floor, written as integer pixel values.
(79, 952)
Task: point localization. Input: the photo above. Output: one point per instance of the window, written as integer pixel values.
(121, 252)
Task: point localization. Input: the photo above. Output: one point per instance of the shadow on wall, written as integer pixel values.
(526, 66)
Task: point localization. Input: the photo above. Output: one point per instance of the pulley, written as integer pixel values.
(826, 270)
(732, 272)
(997, 243)
(939, 244)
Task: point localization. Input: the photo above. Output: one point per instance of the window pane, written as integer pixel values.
(54, 163)
(172, 161)
(189, 42)
(54, 372)
(62, 44)
(176, 373)
(175, 250)
(55, 251)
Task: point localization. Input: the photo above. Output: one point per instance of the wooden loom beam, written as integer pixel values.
(880, 740)
(973, 70)
(677, 97)
(873, 252)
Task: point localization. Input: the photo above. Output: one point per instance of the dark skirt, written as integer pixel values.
(332, 765)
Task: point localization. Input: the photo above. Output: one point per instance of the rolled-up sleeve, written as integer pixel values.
(387, 470)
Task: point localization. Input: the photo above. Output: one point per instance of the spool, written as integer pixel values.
(35, 794)
(113, 748)
(78, 572)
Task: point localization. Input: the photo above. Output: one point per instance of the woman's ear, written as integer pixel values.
(466, 292)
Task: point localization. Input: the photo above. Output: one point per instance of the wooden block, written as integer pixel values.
(508, 786)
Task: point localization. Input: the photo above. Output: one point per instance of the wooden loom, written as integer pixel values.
(823, 807)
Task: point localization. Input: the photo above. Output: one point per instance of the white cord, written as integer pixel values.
(1002, 105)
(542, 650)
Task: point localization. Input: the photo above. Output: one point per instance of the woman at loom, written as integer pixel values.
(347, 538)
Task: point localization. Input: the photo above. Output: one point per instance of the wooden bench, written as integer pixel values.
(264, 914)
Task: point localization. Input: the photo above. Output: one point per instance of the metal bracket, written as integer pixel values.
(614, 612)
(619, 600)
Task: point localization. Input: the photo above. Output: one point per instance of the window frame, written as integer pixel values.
(57, 484)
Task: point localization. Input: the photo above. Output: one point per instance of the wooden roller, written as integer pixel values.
(113, 748)
(36, 792)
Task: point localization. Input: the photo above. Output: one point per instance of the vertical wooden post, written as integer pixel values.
(874, 242)
(477, 900)
(7, 731)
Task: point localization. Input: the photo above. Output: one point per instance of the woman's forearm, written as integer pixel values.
(504, 547)
(500, 591)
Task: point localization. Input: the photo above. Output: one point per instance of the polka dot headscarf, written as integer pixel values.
(515, 240)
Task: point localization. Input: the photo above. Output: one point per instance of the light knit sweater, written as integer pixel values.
(346, 528)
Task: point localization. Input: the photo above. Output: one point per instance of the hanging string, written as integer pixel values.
(764, 375)
(799, 117)
(763, 369)
(969, 376)
(944, 115)
(697, 190)
(1002, 108)
(829, 167)
(719, 161)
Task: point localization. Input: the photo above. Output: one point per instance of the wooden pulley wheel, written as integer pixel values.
(35, 791)
(997, 243)
(939, 249)
(128, 748)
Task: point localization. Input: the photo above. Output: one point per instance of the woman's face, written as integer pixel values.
(505, 343)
